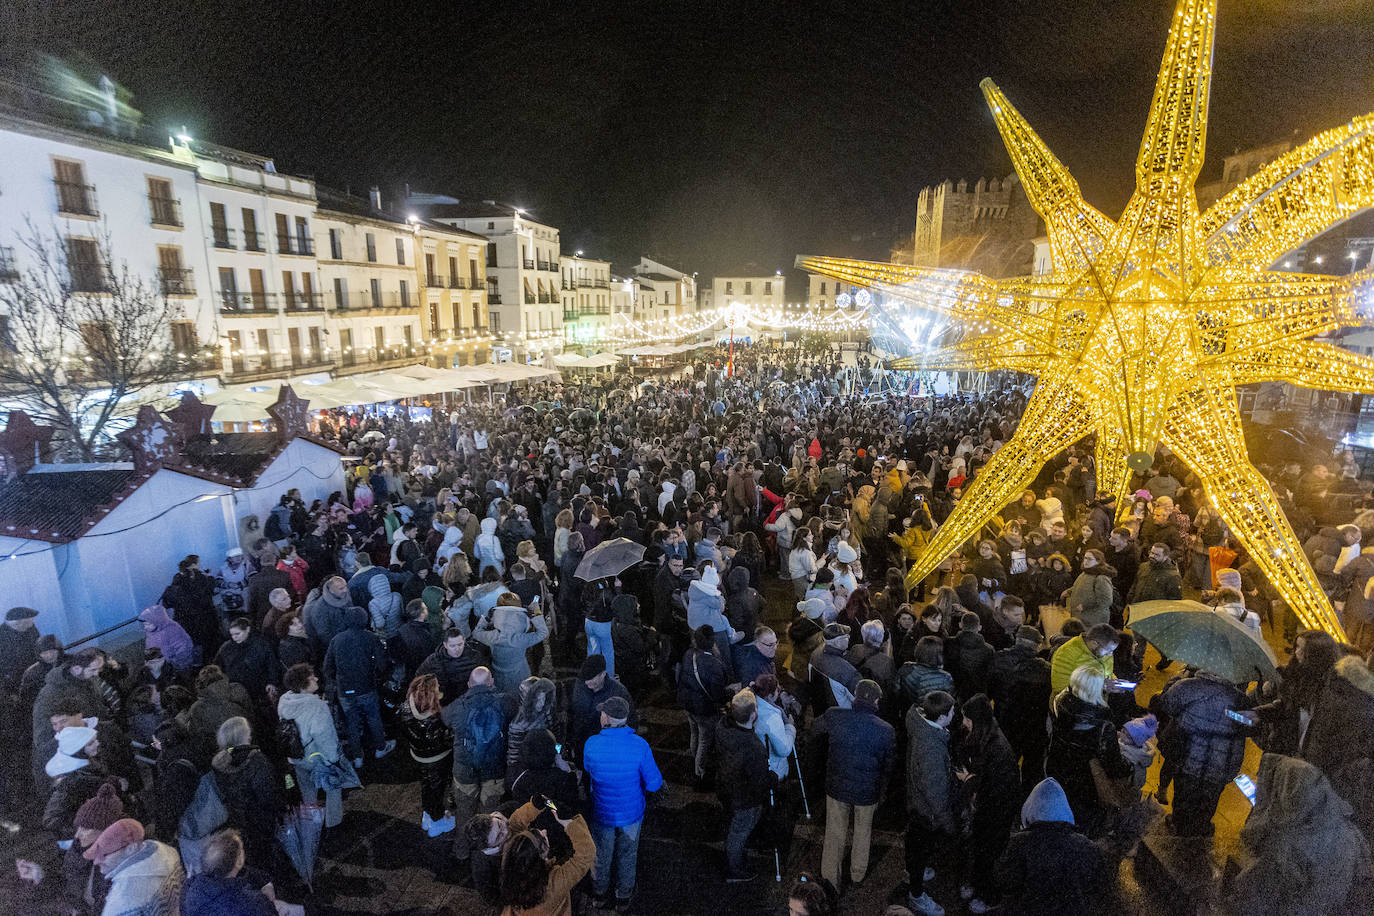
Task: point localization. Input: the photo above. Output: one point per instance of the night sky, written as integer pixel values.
(708, 134)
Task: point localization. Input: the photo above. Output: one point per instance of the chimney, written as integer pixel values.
(375, 194)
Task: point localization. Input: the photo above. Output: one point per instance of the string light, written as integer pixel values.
(1143, 328)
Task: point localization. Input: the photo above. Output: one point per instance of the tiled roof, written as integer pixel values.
(237, 459)
(62, 505)
(658, 278)
(238, 455)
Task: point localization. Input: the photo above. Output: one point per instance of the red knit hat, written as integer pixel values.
(101, 811)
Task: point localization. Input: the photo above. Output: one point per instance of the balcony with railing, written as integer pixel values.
(233, 302)
(254, 240)
(222, 237)
(529, 299)
(9, 268)
(459, 282)
(297, 301)
(176, 281)
(493, 297)
(570, 284)
(164, 211)
(548, 299)
(295, 244)
(570, 314)
(598, 283)
(75, 199)
(529, 264)
(361, 303)
(436, 281)
(547, 265)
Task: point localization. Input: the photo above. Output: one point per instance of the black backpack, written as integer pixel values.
(289, 739)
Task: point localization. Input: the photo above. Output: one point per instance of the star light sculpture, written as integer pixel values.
(1142, 328)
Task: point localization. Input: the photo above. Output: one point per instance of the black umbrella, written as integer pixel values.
(609, 558)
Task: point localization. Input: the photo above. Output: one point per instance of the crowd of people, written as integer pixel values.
(441, 609)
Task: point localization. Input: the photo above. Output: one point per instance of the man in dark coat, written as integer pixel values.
(414, 641)
(1157, 580)
(326, 615)
(995, 787)
(859, 760)
(353, 668)
(968, 657)
(261, 585)
(480, 721)
(1019, 685)
(831, 672)
(592, 688)
(1203, 747)
(743, 780)
(192, 596)
(452, 663)
(1050, 868)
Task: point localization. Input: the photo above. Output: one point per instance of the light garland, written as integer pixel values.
(1144, 327)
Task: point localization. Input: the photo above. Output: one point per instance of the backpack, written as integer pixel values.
(483, 738)
(289, 739)
(202, 818)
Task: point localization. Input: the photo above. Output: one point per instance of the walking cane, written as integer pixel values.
(806, 806)
(777, 862)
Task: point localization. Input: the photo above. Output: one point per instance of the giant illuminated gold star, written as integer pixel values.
(1142, 329)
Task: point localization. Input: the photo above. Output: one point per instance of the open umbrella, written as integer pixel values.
(609, 558)
(299, 836)
(1197, 635)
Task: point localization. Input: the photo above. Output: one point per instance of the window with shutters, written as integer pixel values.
(84, 268)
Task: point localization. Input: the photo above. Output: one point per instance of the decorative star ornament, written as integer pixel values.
(153, 440)
(191, 416)
(1142, 328)
(21, 443)
(291, 412)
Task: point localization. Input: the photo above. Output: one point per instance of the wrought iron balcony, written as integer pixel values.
(176, 281)
(75, 199)
(233, 302)
(164, 211)
(297, 301)
(253, 240)
(222, 237)
(529, 264)
(295, 244)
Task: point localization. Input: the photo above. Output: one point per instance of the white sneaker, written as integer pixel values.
(965, 892)
(928, 874)
(924, 905)
(427, 824)
(977, 906)
(387, 749)
(357, 763)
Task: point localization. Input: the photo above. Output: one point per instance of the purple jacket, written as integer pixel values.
(160, 631)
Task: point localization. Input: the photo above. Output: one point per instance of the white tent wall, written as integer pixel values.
(315, 470)
(123, 563)
(28, 577)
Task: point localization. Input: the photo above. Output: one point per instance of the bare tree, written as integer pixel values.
(83, 334)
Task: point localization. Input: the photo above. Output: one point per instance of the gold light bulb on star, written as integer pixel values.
(1142, 328)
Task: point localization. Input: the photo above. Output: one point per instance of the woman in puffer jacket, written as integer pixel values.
(1081, 731)
(431, 745)
(487, 549)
